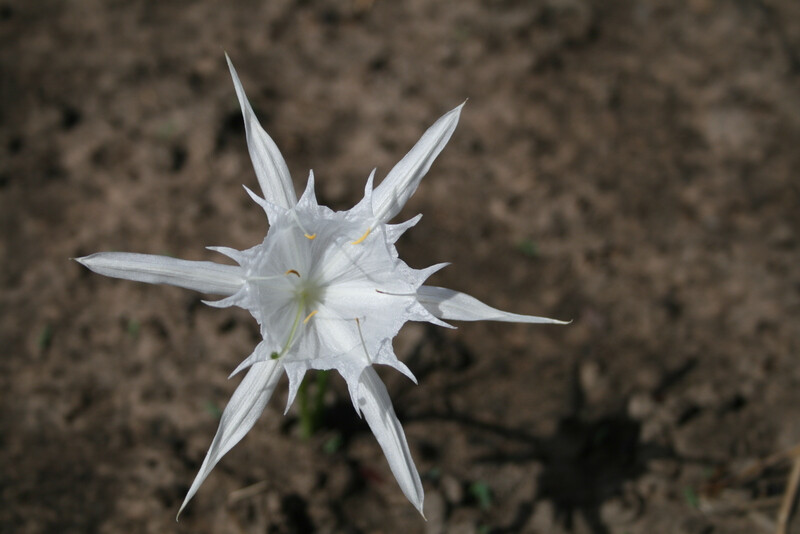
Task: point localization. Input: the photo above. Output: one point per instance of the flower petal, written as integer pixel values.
(237, 299)
(295, 371)
(374, 402)
(273, 175)
(420, 314)
(236, 255)
(364, 206)
(401, 182)
(394, 231)
(241, 413)
(273, 211)
(386, 356)
(453, 305)
(203, 276)
(308, 200)
(260, 354)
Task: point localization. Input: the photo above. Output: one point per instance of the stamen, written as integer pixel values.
(262, 278)
(300, 225)
(363, 343)
(309, 316)
(292, 271)
(362, 238)
(396, 294)
(311, 237)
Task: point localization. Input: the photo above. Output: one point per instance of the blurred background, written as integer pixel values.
(630, 165)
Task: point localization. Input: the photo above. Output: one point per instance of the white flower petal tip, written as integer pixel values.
(369, 188)
(202, 276)
(273, 211)
(394, 231)
(427, 272)
(260, 354)
(241, 413)
(404, 178)
(231, 253)
(296, 373)
(364, 206)
(271, 170)
(456, 306)
(376, 406)
(309, 198)
(227, 302)
(400, 366)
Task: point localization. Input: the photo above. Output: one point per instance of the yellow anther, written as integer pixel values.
(310, 236)
(362, 238)
(292, 271)
(309, 316)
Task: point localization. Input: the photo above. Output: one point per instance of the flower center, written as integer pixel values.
(308, 294)
(306, 297)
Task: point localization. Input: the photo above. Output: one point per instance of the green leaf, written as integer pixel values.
(690, 496)
(528, 248)
(133, 328)
(45, 337)
(167, 130)
(333, 444)
(482, 493)
(212, 408)
(434, 474)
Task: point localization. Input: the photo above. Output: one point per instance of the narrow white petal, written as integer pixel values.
(203, 276)
(375, 404)
(404, 178)
(241, 413)
(273, 175)
(455, 306)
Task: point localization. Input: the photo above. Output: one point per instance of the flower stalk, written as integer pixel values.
(311, 410)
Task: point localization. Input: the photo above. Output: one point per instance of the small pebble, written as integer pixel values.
(435, 513)
(452, 489)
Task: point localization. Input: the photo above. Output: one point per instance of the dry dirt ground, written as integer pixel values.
(631, 165)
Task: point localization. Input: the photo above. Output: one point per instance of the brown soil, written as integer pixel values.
(631, 165)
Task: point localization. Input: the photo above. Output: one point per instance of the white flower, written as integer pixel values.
(327, 289)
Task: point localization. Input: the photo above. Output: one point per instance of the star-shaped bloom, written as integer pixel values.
(327, 289)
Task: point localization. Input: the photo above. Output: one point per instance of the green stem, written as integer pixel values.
(311, 412)
(306, 418)
(319, 397)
